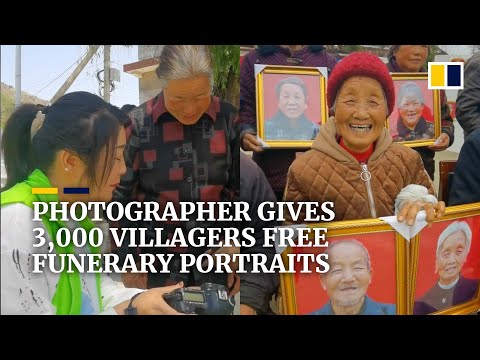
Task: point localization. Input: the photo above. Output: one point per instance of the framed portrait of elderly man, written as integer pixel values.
(416, 119)
(291, 104)
(366, 276)
(446, 264)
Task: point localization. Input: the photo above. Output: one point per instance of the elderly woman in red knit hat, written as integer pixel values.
(353, 161)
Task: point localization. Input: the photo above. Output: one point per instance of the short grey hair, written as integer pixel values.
(179, 62)
(353, 242)
(291, 80)
(393, 49)
(410, 89)
(452, 229)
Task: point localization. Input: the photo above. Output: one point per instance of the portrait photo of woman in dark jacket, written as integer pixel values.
(411, 124)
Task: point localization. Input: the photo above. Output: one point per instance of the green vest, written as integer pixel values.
(68, 294)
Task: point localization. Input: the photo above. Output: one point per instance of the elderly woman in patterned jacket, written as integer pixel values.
(353, 161)
(180, 147)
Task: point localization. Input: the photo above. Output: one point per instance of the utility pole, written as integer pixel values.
(18, 76)
(63, 89)
(106, 73)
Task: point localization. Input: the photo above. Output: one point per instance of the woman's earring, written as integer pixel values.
(67, 169)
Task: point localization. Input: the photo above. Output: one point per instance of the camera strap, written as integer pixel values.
(132, 310)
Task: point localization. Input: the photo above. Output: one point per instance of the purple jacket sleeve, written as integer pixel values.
(248, 112)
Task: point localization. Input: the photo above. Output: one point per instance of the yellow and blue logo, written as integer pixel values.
(445, 75)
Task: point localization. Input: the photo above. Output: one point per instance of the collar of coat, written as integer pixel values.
(326, 142)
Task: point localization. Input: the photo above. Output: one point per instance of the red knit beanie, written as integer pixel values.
(361, 64)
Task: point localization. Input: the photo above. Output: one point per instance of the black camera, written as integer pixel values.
(210, 299)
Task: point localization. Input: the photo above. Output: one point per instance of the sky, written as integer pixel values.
(458, 50)
(42, 64)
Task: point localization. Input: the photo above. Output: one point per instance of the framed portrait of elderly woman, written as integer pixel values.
(366, 275)
(291, 104)
(446, 264)
(415, 120)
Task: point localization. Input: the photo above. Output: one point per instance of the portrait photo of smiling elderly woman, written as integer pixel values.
(354, 162)
(413, 59)
(411, 123)
(451, 287)
(290, 121)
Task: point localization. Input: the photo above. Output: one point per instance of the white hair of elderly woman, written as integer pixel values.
(415, 193)
(452, 229)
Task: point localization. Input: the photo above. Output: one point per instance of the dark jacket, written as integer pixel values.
(274, 163)
(468, 100)
(437, 299)
(466, 179)
(423, 130)
(170, 162)
(447, 125)
(278, 128)
(256, 289)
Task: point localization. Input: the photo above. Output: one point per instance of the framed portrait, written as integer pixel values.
(446, 264)
(366, 276)
(416, 118)
(291, 104)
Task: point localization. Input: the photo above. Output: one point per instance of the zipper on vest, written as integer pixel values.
(366, 176)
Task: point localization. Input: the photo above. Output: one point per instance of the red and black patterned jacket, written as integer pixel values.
(171, 162)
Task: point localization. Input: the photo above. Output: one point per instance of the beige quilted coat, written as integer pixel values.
(329, 173)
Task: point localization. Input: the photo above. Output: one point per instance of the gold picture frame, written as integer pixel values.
(302, 293)
(304, 100)
(409, 111)
(427, 250)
